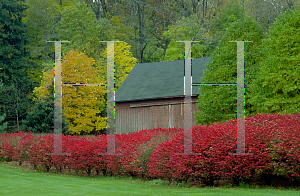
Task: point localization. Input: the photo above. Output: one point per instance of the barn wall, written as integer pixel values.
(164, 113)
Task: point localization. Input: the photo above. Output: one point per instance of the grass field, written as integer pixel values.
(17, 181)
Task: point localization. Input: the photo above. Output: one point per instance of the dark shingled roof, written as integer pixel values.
(159, 80)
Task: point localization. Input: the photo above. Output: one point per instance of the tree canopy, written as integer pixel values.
(123, 63)
(218, 103)
(187, 29)
(276, 88)
(14, 66)
(80, 26)
(83, 105)
(149, 30)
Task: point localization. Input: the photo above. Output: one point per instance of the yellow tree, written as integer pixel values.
(124, 62)
(84, 106)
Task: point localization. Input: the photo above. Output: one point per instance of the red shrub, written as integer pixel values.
(84, 155)
(273, 139)
(286, 153)
(7, 142)
(8, 151)
(37, 153)
(23, 146)
(214, 142)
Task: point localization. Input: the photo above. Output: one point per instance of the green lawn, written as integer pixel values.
(16, 181)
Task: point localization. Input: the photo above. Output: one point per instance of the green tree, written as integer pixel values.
(3, 126)
(224, 17)
(120, 29)
(16, 103)
(276, 89)
(266, 12)
(41, 118)
(14, 67)
(188, 29)
(218, 104)
(80, 26)
(42, 17)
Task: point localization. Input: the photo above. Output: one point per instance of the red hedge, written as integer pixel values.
(273, 139)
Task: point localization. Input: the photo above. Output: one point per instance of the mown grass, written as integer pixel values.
(17, 181)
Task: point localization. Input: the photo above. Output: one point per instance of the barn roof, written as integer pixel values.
(159, 80)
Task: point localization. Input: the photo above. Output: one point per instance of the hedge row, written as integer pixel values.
(273, 139)
(135, 148)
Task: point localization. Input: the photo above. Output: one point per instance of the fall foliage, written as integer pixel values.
(82, 105)
(124, 62)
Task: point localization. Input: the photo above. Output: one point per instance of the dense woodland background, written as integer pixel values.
(149, 30)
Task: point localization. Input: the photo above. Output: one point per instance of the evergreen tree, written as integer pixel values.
(277, 85)
(218, 103)
(14, 67)
(41, 119)
(4, 125)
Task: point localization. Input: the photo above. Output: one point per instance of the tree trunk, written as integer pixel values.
(141, 12)
(46, 34)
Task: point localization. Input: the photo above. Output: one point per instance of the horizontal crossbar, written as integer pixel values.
(82, 84)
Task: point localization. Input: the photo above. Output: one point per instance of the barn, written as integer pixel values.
(152, 95)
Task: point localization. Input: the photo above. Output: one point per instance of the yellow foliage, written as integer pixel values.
(124, 62)
(47, 83)
(82, 104)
